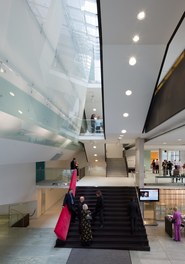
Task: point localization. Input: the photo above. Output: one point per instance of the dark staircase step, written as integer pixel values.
(116, 233)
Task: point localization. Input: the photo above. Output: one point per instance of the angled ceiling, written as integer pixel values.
(154, 31)
(60, 78)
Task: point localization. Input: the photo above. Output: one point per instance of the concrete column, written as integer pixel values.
(140, 173)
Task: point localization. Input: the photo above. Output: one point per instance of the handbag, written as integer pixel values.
(89, 217)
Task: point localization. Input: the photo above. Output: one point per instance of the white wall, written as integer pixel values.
(114, 151)
(94, 169)
(17, 183)
(131, 158)
(51, 197)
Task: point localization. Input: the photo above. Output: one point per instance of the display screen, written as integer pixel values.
(148, 195)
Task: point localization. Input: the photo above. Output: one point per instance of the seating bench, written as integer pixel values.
(178, 177)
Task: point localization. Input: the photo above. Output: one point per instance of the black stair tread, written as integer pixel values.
(116, 233)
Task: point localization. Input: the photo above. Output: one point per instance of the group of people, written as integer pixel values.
(96, 124)
(86, 218)
(168, 167)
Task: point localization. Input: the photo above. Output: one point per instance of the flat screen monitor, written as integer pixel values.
(148, 195)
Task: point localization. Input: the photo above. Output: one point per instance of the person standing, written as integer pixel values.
(175, 173)
(169, 167)
(79, 210)
(93, 121)
(73, 164)
(99, 208)
(177, 220)
(98, 124)
(157, 166)
(69, 200)
(153, 166)
(85, 226)
(133, 213)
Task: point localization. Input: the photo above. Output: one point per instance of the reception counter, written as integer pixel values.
(168, 226)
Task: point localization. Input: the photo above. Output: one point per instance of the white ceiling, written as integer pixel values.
(119, 24)
(155, 31)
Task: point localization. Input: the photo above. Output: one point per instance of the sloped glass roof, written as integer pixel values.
(78, 49)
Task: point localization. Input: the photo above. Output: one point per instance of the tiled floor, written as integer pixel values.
(35, 244)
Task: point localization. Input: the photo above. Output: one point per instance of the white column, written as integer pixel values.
(140, 173)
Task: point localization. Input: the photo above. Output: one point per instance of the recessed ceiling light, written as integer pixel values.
(132, 61)
(128, 92)
(141, 15)
(123, 131)
(95, 155)
(20, 112)
(125, 115)
(96, 160)
(94, 109)
(135, 38)
(11, 93)
(2, 70)
(94, 147)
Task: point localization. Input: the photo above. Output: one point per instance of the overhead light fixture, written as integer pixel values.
(135, 38)
(11, 93)
(20, 112)
(94, 147)
(2, 69)
(141, 15)
(96, 160)
(128, 92)
(125, 115)
(179, 139)
(164, 143)
(94, 109)
(132, 61)
(95, 155)
(121, 135)
(123, 131)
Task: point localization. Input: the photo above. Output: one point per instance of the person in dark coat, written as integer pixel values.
(69, 200)
(73, 164)
(86, 232)
(93, 123)
(98, 209)
(133, 213)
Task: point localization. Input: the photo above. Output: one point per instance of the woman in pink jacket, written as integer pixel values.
(177, 220)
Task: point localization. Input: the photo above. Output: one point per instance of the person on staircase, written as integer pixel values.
(69, 200)
(99, 207)
(85, 226)
(133, 213)
(79, 210)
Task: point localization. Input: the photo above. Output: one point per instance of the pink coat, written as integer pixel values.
(177, 217)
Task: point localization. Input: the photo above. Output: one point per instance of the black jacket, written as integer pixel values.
(133, 209)
(99, 204)
(69, 200)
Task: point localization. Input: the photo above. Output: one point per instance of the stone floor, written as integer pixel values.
(35, 244)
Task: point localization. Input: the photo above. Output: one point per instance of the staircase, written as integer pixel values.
(116, 167)
(116, 233)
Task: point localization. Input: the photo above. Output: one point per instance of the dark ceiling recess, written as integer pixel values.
(170, 98)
